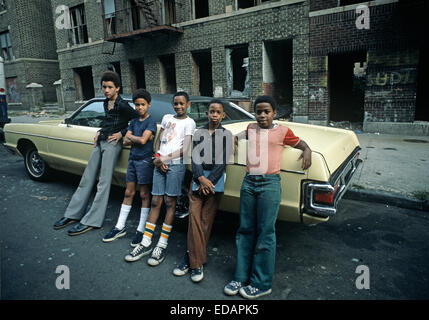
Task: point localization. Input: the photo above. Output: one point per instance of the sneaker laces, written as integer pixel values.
(157, 252)
(253, 290)
(235, 284)
(137, 250)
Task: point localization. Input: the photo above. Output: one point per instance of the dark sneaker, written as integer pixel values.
(64, 222)
(183, 266)
(114, 234)
(158, 255)
(231, 289)
(197, 274)
(138, 237)
(250, 292)
(137, 253)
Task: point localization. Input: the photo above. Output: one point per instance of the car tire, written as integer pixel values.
(36, 167)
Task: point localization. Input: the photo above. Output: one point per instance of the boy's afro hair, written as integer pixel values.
(183, 94)
(111, 76)
(142, 93)
(267, 99)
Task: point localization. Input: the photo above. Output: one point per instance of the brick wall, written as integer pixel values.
(392, 45)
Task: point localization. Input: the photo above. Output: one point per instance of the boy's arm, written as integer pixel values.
(127, 141)
(180, 152)
(305, 155)
(146, 136)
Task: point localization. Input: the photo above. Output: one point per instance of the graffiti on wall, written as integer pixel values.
(12, 90)
(391, 78)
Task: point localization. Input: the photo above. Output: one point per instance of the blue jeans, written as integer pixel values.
(260, 197)
(169, 183)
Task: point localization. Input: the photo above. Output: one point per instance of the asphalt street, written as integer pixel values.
(312, 262)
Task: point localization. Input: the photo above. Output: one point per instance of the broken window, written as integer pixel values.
(137, 74)
(167, 73)
(202, 84)
(78, 31)
(109, 16)
(84, 83)
(116, 67)
(237, 70)
(6, 46)
(201, 8)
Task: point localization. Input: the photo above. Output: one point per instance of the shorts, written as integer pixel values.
(169, 183)
(139, 171)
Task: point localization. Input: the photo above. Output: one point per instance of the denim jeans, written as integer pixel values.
(260, 197)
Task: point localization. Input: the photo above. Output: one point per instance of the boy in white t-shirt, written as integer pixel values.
(173, 145)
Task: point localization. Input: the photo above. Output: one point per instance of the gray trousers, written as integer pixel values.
(103, 159)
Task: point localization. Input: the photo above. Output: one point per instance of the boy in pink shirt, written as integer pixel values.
(260, 197)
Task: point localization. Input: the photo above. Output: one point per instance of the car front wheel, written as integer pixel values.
(35, 166)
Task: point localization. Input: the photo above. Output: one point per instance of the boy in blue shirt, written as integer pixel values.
(140, 167)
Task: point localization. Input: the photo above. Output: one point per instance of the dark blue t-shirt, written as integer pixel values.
(137, 127)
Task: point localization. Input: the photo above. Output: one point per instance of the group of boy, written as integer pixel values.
(162, 174)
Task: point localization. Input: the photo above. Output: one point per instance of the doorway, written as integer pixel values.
(202, 84)
(346, 89)
(422, 96)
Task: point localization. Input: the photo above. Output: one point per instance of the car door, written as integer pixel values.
(72, 144)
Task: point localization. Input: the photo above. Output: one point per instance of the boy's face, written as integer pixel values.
(142, 106)
(110, 90)
(180, 105)
(265, 115)
(215, 113)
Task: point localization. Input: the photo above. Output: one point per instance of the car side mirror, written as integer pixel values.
(68, 121)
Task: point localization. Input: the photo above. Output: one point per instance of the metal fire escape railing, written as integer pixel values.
(141, 18)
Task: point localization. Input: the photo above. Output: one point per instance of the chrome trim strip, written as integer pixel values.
(52, 138)
(345, 176)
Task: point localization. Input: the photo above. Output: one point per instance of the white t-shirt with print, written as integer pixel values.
(175, 131)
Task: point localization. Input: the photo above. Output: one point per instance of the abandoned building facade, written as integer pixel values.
(28, 49)
(323, 60)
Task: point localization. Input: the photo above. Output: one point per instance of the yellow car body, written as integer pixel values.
(335, 154)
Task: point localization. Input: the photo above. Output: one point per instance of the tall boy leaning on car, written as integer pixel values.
(260, 197)
(107, 147)
(173, 146)
(140, 167)
(213, 148)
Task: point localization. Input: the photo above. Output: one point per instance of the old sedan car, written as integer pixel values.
(309, 196)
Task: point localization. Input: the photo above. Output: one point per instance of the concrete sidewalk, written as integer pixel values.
(395, 168)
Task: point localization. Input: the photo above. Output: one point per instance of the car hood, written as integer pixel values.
(333, 144)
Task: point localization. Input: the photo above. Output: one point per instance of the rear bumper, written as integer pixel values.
(341, 178)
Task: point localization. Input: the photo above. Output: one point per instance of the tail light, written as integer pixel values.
(326, 197)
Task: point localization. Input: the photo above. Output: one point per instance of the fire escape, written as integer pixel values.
(141, 19)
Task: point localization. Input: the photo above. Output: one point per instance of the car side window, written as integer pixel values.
(197, 111)
(90, 116)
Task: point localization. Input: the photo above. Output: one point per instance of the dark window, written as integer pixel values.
(78, 32)
(84, 83)
(201, 8)
(3, 5)
(6, 46)
(347, 2)
(237, 65)
(168, 74)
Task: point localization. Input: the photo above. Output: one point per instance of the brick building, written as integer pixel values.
(366, 65)
(27, 40)
(230, 48)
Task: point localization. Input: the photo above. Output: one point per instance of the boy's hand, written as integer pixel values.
(160, 165)
(96, 138)
(306, 159)
(115, 137)
(206, 186)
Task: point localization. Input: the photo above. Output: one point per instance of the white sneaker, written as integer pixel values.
(158, 255)
(137, 253)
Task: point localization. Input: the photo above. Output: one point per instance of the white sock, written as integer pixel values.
(123, 215)
(143, 217)
(165, 234)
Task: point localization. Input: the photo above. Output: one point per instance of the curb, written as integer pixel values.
(387, 198)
